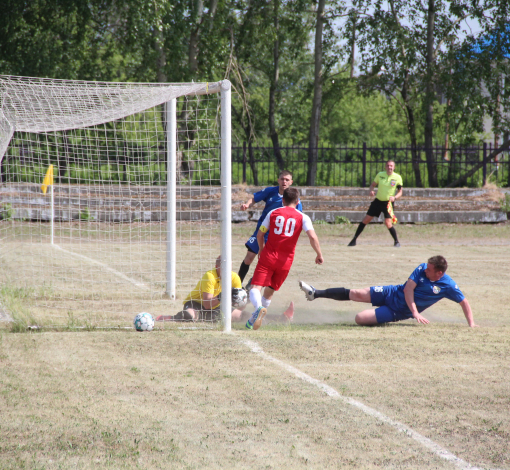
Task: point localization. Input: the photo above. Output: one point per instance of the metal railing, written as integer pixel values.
(357, 165)
(354, 166)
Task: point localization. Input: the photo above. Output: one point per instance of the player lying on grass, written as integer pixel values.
(203, 302)
(427, 285)
(283, 226)
(273, 197)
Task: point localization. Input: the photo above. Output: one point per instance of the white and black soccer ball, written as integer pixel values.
(239, 298)
(144, 322)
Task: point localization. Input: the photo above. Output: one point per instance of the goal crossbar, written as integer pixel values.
(44, 106)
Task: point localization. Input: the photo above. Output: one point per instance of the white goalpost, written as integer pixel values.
(138, 205)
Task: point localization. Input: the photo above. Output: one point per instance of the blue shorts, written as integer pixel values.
(252, 244)
(387, 311)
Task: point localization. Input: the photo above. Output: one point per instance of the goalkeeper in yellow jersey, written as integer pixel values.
(203, 302)
(389, 189)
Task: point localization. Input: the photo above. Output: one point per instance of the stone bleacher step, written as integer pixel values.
(148, 204)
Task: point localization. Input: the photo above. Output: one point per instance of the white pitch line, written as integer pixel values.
(330, 391)
(140, 285)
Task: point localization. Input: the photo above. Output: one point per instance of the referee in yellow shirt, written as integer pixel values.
(389, 188)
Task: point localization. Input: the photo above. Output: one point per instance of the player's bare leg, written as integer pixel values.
(366, 318)
(360, 295)
(250, 256)
(268, 295)
(367, 219)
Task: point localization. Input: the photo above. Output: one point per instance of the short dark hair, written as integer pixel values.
(439, 262)
(285, 173)
(291, 196)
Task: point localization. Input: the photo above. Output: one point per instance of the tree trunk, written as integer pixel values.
(194, 37)
(253, 164)
(415, 156)
(187, 166)
(429, 96)
(496, 122)
(317, 99)
(487, 159)
(273, 88)
(353, 45)
(411, 127)
(248, 131)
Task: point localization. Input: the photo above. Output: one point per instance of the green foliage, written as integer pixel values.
(6, 211)
(16, 301)
(85, 214)
(505, 203)
(353, 117)
(264, 49)
(407, 60)
(340, 219)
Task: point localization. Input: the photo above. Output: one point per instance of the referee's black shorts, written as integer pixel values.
(377, 207)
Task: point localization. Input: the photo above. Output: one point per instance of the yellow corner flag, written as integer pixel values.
(390, 211)
(48, 179)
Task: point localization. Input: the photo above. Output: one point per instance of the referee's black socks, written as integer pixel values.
(336, 293)
(360, 229)
(393, 234)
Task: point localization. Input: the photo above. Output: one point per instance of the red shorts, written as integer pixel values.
(269, 276)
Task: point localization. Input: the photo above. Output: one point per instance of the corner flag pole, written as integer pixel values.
(48, 181)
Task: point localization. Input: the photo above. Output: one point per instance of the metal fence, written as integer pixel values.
(357, 165)
(354, 166)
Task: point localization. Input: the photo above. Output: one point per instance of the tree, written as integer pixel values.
(483, 67)
(317, 96)
(402, 46)
(68, 40)
(176, 42)
(350, 117)
(270, 37)
(327, 54)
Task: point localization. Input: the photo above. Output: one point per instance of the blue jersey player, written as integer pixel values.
(427, 285)
(272, 196)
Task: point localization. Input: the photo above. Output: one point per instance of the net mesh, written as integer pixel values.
(108, 146)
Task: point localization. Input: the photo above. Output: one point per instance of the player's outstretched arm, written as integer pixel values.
(314, 241)
(248, 204)
(409, 296)
(466, 308)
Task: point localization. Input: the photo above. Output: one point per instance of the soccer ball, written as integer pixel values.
(239, 298)
(144, 322)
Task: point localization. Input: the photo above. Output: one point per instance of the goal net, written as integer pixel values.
(136, 205)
